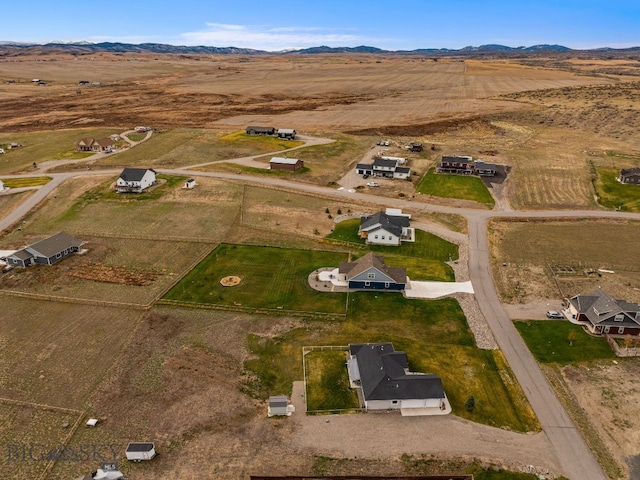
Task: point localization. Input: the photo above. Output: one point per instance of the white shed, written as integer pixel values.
(137, 451)
(278, 405)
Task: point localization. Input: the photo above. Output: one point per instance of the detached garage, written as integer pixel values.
(285, 164)
(137, 451)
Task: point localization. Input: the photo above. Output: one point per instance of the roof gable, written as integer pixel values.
(598, 307)
(135, 174)
(371, 261)
(385, 375)
(55, 244)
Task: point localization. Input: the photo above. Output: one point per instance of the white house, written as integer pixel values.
(135, 180)
(385, 167)
(387, 228)
(386, 382)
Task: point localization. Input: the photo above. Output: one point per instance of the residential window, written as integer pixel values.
(367, 284)
(394, 402)
(387, 284)
(58, 255)
(619, 317)
(371, 275)
(382, 237)
(620, 330)
(376, 237)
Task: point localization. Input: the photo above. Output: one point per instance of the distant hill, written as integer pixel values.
(84, 48)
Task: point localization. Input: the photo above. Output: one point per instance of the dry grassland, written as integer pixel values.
(9, 202)
(586, 244)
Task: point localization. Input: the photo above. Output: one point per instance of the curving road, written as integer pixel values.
(577, 461)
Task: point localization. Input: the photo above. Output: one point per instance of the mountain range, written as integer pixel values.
(80, 48)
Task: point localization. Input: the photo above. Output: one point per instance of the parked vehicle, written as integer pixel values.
(372, 184)
(365, 176)
(555, 314)
(1, 151)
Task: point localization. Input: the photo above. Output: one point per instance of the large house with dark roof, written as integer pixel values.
(386, 382)
(390, 227)
(95, 145)
(371, 273)
(47, 251)
(135, 180)
(384, 167)
(465, 165)
(600, 313)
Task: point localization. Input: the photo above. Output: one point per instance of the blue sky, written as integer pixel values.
(282, 24)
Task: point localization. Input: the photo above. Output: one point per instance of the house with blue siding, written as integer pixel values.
(47, 251)
(371, 273)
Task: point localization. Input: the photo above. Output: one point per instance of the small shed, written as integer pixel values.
(285, 164)
(278, 405)
(92, 422)
(287, 133)
(189, 184)
(137, 451)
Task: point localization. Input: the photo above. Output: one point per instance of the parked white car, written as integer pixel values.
(1, 151)
(372, 184)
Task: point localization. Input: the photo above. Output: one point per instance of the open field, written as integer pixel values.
(26, 182)
(581, 244)
(121, 270)
(44, 145)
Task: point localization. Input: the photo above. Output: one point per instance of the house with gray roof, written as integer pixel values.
(257, 130)
(47, 251)
(465, 165)
(371, 273)
(599, 313)
(390, 227)
(135, 180)
(384, 167)
(630, 176)
(386, 382)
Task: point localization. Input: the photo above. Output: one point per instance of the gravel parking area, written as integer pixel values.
(390, 435)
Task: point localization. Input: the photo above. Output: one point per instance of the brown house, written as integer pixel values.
(285, 164)
(95, 145)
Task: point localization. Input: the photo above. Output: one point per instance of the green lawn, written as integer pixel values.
(26, 182)
(613, 194)
(455, 186)
(270, 278)
(426, 245)
(328, 382)
(436, 338)
(548, 341)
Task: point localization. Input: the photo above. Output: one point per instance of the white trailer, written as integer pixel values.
(137, 451)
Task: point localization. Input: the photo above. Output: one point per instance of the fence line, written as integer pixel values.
(163, 238)
(80, 301)
(622, 351)
(40, 406)
(257, 310)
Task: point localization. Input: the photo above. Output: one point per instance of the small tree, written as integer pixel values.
(628, 341)
(327, 210)
(470, 404)
(339, 212)
(571, 336)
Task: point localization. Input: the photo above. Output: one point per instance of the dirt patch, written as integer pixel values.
(230, 281)
(110, 274)
(609, 392)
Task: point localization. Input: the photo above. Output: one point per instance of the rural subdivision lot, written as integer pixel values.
(139, 333)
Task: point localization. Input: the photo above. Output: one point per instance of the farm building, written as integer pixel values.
(465, 165)
(630, 176)
(47, 251)
(252, 130)
(107, 471)
(371, 273)
(386, 228)
(385, 167)
(137, 451)
(386, 382)
(135, 180)
(600, 313)
(285, 164)
(95, 145)
(287, 133)
(189, 184)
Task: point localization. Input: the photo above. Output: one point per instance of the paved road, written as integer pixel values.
(577, 461)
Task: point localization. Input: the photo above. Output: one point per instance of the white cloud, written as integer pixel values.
(270, 39)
